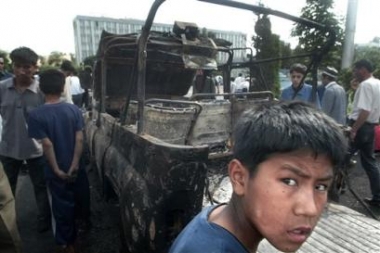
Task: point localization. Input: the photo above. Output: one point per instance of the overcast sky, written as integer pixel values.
(46, 26)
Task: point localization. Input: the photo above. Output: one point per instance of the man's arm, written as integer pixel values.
(362, 118)
(77, 152)
(328, 101)
(50, 156)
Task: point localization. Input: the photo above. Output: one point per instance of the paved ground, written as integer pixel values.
(104, 235)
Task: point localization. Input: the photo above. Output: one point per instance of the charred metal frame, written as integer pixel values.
(142, 44)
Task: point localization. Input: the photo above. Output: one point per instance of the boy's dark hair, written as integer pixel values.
(52, 82)
(299, 68)
(24, 55)
(285, 127)
(67, 66)
(368, 65)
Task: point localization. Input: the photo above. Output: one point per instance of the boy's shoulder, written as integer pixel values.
(200, 235)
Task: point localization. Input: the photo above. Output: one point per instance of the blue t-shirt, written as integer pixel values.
(200, 235)
(58, 122)
(304, 94)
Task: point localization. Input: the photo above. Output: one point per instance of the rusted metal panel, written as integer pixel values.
(160, 186)
(171, 126)
(213, 125)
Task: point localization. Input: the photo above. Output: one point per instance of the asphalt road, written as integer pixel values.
(26, 209)
(103, 237)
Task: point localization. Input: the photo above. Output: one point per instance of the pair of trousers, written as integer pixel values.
(9, 237)
(36, 172)
(70, 201)
(364, 143)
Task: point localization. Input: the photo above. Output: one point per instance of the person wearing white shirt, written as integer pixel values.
(365, 115)
(76, 91)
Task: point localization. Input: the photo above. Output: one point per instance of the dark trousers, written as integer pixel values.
(77, 100)
(364, 143)
(36, 172)
(70, 201)
(85, 98)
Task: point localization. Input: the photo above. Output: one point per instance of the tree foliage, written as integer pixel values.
(5, 56)
(310, 38)
(371, 53)
(55, 59)
(267, 45)
(89, 61)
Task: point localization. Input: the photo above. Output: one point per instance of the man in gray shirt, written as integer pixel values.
(18, 96)
(334, 101)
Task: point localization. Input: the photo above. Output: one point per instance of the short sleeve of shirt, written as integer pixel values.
(80, 121)
(365, 97)
(35, 128)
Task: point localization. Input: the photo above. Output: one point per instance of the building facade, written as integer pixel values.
(87, 32)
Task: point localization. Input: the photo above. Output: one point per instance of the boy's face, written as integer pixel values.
(285, 198)
(296, 78)
(24, 73)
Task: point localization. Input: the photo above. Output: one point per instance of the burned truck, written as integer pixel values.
(152, 145)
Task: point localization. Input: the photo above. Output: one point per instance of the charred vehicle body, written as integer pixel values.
(148, 142)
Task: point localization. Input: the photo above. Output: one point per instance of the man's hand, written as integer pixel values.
(73, 171)
(61, 174)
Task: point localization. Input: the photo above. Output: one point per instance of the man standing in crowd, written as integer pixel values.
(3, 73)
(18, 96)
(299, 90)
(365, 115)
(68, 69)
(334, 101)
(86, 83)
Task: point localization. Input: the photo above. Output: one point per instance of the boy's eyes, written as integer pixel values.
(289, 181)
(293, 182)
(322, 187)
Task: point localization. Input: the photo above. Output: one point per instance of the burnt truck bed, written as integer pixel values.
(159, 185)
(160, 176)
(150, 144)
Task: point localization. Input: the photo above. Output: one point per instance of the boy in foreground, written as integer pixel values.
(283, 163)
(59, 125)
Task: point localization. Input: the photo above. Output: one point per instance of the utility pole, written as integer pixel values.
(349, 38)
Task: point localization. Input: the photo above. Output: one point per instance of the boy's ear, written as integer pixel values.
(239, 176)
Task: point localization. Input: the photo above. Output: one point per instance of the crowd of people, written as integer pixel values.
(363, 116)
(280, 181)
(43, 130)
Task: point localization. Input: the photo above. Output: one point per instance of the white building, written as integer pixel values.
(87, 31)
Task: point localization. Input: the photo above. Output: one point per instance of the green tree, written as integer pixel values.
(371, 53)
(5, 56)
(89, 61)
(267, 45)
(310, 38)
(285, 51)
(55, 59)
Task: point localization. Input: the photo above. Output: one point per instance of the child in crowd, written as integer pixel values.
(59, 126)
(284, 156)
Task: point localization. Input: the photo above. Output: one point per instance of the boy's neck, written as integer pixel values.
(229, 217)
(52, 99)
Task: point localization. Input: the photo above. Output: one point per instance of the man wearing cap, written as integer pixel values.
(365, 115)
(334, 100)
